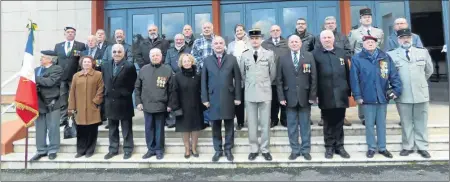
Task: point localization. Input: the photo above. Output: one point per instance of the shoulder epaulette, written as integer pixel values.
(420, 47)
(245, 50)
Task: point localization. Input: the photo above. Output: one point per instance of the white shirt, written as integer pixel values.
(277, 40)
(259, 50)
(100, 45)
(67, 49)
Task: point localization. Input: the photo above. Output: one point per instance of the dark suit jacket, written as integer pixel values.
(98, 57)
(142, 54)
(118, 90)
(221, 86)
(297, 87)
(69, 63)
(48, 88)
(103, 48)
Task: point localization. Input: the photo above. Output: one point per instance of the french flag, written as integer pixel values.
(26, 95)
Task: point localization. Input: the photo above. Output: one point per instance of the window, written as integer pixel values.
(230, 20)
(140, 25)
(388, 12)
(114, 24)
(290, 17)
(172, 23)
(199, 20)
(263, 19)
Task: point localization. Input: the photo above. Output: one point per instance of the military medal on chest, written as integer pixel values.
(306, 68)
(161, 82)
(342, 61)
(384, 69)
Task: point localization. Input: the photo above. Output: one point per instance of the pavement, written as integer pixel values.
(433, 172)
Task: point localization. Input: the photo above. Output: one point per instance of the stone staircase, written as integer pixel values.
(279, 146)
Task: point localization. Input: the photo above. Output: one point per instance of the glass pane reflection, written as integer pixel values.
(230, 20)
(140, 24)
(199, 20)
(290, 17)
(263, 19)
(114, 23)
(172, 23)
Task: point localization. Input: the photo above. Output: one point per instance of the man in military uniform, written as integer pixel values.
(356, 36)
(414, 66)
(258, 72)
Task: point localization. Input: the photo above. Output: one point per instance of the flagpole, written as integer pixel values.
(26, 149)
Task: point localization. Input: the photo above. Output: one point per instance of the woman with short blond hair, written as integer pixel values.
(191, 121)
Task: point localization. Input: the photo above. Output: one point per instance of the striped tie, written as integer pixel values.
(296, 61)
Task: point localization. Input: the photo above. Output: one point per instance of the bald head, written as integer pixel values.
(295, 43)
(327, 39)
(275, 31)
(400, 23)
(218, 44)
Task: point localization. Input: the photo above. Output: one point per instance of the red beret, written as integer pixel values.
(369, 37)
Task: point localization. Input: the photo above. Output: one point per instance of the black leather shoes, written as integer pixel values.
(406, 152)
(37, 157)
(78, 155)
(52, 156)
(293, 156)
(110, 155)
(329, 153)
(386, 153)
(195, 154)
(89, 155)
(363, 122)
(320, 122)
(217, 156)
(127, 155)
(307, 156)
(159, 156)
(424, 153)
(229, 156)
(272, 124)
(252, 156)
(370, 154)
(239, 127)
(171, 126)
(267, 156)
(148, 155)
(342, 153)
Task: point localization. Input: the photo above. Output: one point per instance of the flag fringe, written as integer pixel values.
(22, 106)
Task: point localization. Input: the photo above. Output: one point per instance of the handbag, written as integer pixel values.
(70, 130)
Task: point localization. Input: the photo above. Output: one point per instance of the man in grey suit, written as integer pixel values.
(356, 42)
(414, 66)
(48, 81)
(297, 87)
(221, 91)
(258, 72)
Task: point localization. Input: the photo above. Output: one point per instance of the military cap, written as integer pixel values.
(255, 33)
(369, 37)
(365, 11)
(49, 53)
(404, 32)
(69, 27)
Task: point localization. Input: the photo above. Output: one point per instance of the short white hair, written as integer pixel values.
(404, 19)
(326, 32)
(178, 35)
(330, 18)
(118, 46)
(154, 51)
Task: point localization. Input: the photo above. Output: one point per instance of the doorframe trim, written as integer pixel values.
(97, 15)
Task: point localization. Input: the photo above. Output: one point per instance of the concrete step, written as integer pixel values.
(278, 131)
(277, 145)
(67, 160)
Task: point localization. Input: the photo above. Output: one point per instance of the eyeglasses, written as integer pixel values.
(118, 52)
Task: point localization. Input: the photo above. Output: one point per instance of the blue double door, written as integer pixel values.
(264, 14)
(170, 21)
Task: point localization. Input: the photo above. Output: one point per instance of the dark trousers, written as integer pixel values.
(275, 109)
(64, 99)
(102, 112)
(127, 134)
(321, 114)
(86, 138)
(217, 135)
(154, 131)
(333, 127)
(299, 117)
(240, 110)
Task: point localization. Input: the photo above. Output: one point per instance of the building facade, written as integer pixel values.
(171, 16)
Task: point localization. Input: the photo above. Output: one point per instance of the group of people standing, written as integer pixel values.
(203, 82)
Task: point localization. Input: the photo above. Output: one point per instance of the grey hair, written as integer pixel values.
(117, 46)
(178, 35)
(330, 18)
(324, 32)
(153, 51)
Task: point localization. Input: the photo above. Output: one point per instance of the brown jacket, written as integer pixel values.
(85, 97)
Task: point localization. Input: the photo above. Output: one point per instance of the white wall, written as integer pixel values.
(51, 18)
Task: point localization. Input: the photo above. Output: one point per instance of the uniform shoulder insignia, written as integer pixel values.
(355, 27)
(375, 27)
(245, 50)
(420, 47)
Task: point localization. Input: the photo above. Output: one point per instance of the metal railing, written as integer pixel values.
(8, 81)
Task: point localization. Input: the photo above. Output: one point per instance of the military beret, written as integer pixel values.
(49, 53)
(255, 33)
(369, 37)
(365, 11)
(404, 32)
(69, 27)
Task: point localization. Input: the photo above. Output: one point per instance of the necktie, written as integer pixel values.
(407, 56)
(68, 48)
(41, 70)
(219, 61)
(368, 32)
(276, 41)
(90, 51)
(255, 55)
(116, 69)
(295, 61)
